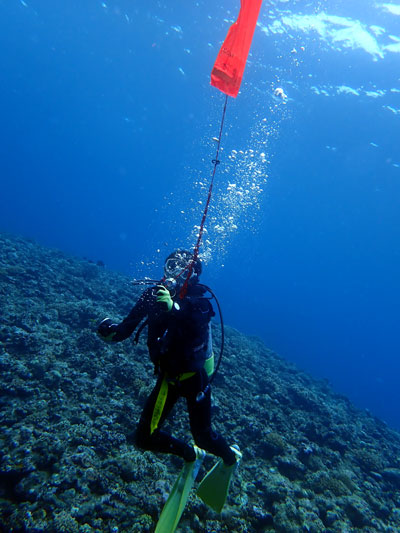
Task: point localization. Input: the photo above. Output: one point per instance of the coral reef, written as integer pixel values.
(69, 404)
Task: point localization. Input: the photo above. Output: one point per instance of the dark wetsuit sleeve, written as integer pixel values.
(136, 315)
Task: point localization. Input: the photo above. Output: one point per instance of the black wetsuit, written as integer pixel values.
(179, 343)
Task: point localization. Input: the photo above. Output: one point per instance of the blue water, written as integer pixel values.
(107, 119)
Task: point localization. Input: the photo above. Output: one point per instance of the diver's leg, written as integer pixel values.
(199, 409)
(149, 436)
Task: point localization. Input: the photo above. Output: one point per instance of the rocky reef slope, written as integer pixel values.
(311, 461)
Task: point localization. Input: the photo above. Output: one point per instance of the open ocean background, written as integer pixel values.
(107, 119)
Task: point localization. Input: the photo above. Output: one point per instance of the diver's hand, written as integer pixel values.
(106, 330)
(164, 298)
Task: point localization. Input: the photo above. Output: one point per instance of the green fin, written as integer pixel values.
(214, 487)
(176, 502)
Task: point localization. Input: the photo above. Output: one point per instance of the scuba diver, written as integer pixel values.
(178, 315)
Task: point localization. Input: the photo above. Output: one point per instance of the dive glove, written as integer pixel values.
(106, 330)
(164, 297)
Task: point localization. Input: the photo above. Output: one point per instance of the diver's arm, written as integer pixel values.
(136, 315)
(111, 332)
